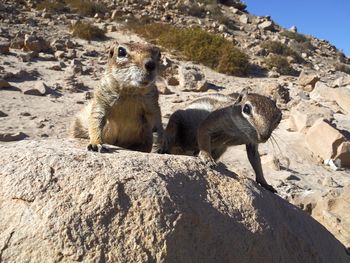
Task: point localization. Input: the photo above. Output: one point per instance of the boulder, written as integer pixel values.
(341, 81)
(38, 89)
(343, 154)
(332, 210)
(323, 139)
(322, 92)
(192, 79)
(267, 25)
(305, 114)
(342, 97)
(308, 79)
(59, 202)
(277, 91)
(244, 19)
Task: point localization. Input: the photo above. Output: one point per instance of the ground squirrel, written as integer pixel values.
(214, 122)
(124, 110)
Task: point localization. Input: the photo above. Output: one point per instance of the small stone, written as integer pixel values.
(172, 81)
(4, 84)
(10, 137)
(308, 79)
(46, 15)
(244, 19)
(293, 29)
(3, 114)
(330, 182)
(59, 54)
(25, 113)
(222, 28)
(69, 43)
(39, 89)
(293, 177)
(4, 46)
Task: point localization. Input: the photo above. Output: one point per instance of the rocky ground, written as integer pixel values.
(47, 75)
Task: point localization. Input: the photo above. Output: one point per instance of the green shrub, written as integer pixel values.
(87, 31)
(278, 48)
(281, 64)
(342, 67)
(197, 45)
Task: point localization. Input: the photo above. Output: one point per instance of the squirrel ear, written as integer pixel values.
(111, 52)
(111, 49)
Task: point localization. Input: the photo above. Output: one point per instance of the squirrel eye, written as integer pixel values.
(121, 52)
(247, 109)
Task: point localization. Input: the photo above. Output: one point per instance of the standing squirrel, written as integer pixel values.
(209, 125)
(124, 110)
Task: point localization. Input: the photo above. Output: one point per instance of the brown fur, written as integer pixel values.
(211, 124)
(124, 110)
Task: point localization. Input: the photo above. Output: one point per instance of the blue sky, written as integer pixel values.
(323, 19)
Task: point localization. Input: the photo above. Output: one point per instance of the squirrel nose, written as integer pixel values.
(150, 65)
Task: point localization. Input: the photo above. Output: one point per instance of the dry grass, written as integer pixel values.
(82, 7)
(294, 35)
(53, 5)
(342, 67)
(197, 45)
(278, 48)
(86, 7)
(281, 64)
(87, 31)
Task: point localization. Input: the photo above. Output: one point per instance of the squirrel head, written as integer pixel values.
(261, 112)
(134, 64)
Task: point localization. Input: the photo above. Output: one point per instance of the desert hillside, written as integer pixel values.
(53, 54)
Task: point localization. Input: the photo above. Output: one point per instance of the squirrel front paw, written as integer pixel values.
(268, 187)
(97, 148)
(207, 159)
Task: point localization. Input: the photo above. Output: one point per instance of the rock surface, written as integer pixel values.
(61, 203)
(324, 140)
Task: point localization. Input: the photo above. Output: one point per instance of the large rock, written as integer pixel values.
(267, 25)
(333, 212)
(324, 140)
(322, 92)
(342, 81)
(308, 80)
(330, 209)
(59, 202)
(304, 115)
(342, 97)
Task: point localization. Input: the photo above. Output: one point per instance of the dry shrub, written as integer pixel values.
(294, 35)
(342, 67)
(86, 7)
(278, 48)
(281, 64)
(87, 31)
(82, 7)
(53, 5)
(197, 45)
